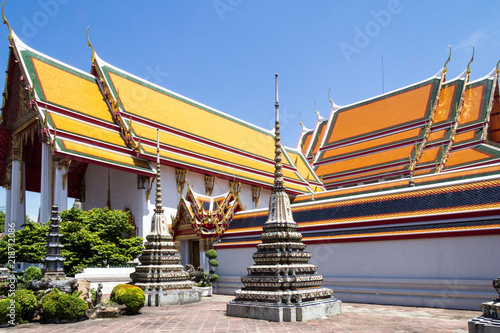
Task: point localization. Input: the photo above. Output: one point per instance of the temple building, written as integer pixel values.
(67, 133)
(397, 197)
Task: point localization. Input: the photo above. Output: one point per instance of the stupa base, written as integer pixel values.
(285, 312)
(484, 325)
(172, 297)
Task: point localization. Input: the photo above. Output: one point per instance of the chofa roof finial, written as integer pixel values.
(90, 44)
(445, 69)
(472, 59)
(10, 37)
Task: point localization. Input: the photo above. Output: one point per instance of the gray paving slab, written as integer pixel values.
(210, 316)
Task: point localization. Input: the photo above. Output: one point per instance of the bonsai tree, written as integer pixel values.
(210, 277)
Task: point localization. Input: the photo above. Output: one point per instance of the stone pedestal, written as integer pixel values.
(172, 297)
(285, 312)
(489, 321)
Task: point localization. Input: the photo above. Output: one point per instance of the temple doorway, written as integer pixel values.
(194, 253)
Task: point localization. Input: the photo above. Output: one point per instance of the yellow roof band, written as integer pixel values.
(105, 154)
(85, 129)
(157, 106)
(71, 91)
(223, 169)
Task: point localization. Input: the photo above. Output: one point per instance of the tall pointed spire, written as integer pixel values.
(278, 172)
(282, 285)
(159, 222)
(159, 273)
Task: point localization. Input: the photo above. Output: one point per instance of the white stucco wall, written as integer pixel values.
(124, 193)
(440, 272)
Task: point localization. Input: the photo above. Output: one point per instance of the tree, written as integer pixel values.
(98, 237)
(29, 244)
(2, 220)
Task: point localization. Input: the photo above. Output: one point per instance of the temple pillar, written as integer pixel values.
(17, 195)
(184, 252)
(61, 169)
(45, 184)
(7, 209)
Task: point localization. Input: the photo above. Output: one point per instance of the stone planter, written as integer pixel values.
(205, 291)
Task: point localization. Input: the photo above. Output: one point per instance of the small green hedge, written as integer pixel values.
(10, 312)
(27, 300)
(133, 297)
(56, 305)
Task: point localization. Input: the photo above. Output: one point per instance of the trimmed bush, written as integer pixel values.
(32, 273)
(211, 254)
(27, 301)
(133, 297)
(56, 305)
(10, 312)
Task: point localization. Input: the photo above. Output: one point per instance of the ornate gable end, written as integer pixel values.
(205, 216)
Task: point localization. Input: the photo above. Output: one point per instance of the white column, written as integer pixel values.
(204, 261)
(61, 185)
(18, 195)
(7, 209)
(45, 184)
(184, 252)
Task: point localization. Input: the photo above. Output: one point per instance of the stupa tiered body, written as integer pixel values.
(159, 274)
(489, 321)
(54, 261)
(282, 285)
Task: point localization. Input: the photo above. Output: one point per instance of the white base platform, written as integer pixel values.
(285, 312)
(173, 297)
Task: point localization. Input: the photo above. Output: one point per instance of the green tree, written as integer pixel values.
(2, 219)
(98, 237)
(28, 244)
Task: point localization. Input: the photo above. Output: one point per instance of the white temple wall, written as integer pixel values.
(454, 272)
(123, 193)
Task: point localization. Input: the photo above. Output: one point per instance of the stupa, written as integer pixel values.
(282, 285)
(489, 321)
(54, 261)
(163, 279)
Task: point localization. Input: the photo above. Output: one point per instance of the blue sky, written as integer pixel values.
(224, 53)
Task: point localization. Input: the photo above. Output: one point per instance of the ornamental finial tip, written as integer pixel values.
(472, 59)
(447, 61)
(90, 44)
(7, 23)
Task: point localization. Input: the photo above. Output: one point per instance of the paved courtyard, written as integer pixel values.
(210, 316)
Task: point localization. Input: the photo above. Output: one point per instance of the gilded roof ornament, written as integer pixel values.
(316, 111)
(498, 67)
(334, 106)
(445, 69)
(11, 32)
(90, 44)
(300, 122)
(472, 59)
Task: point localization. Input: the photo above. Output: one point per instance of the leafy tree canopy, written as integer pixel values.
(98, 237)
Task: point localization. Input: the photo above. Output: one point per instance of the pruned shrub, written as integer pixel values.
(27, 301)
(131, 296)
(10, 312)
(56, 305)
(32, 273)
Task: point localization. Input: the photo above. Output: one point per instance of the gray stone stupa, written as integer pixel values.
(282, 285)
(54, 261)
(163, 279)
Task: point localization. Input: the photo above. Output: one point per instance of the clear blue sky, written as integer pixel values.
(224, 53)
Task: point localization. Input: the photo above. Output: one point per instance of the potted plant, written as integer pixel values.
(206, 282)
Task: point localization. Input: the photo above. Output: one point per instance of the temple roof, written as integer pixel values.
(219, 144)
(110, 117)
(431, 126)
(71, 109)
(453, 207)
